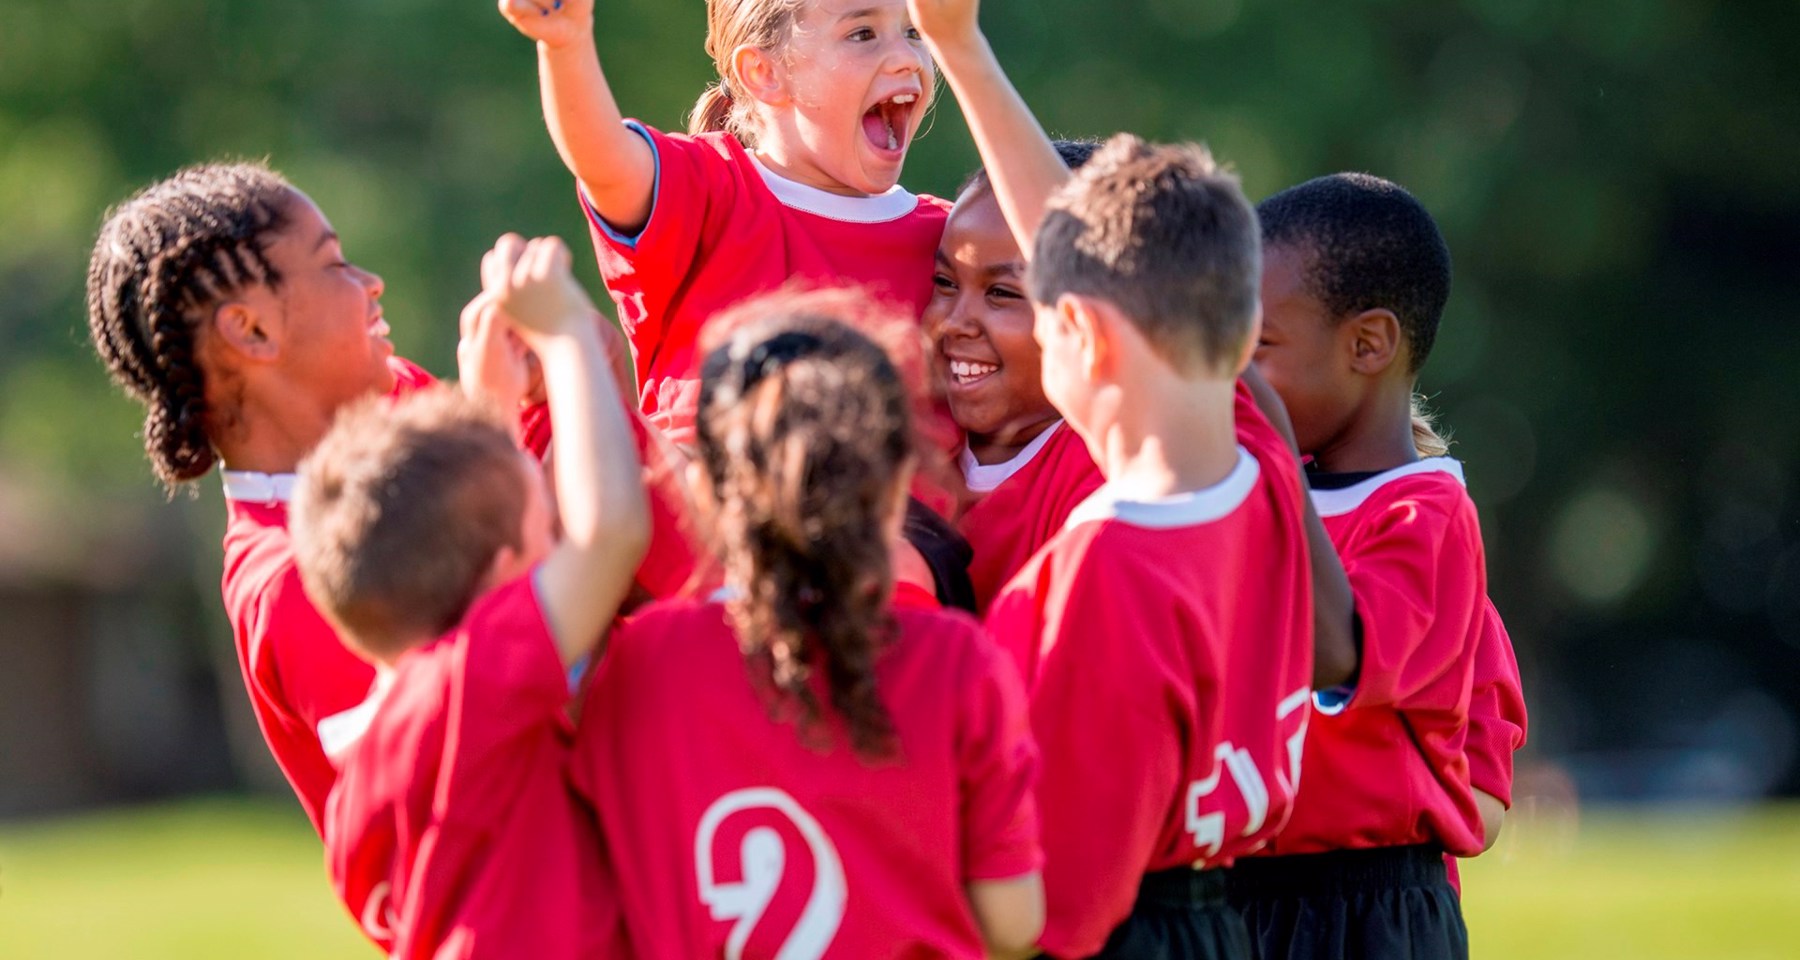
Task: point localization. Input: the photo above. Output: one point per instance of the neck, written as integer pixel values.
(272, 430)
(1378, 435)
(1172, 435)
(1009, 441)
(793, 166)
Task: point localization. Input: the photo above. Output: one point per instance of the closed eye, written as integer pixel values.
(1004, 293)
(943, 282)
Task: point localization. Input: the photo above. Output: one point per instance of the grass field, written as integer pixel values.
(243, 878)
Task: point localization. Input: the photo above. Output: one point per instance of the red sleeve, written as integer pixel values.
(1497, 718)
(507, 682)
(1105, 789)
(409, 377)
(306, 668)
(1420, 583)
(691, 200)
(999, 770)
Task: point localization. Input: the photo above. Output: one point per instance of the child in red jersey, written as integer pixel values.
(426, 537)
(802, 767)
(789, 171)
(221, 299)
(1497, 725)
(1355, 280)
(1025, 470)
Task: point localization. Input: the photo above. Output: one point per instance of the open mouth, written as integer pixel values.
(378, 327)
(888, 124)
(967, 373)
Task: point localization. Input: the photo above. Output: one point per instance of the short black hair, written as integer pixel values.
(1075, 154)
(1369, 245)
(1164, 234)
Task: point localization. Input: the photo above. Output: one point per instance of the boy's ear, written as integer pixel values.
(1247, 351)
(1089, 322)
(757, 76)
(243, 332)
(1375, 340)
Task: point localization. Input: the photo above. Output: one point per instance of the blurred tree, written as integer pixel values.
(1615, 178)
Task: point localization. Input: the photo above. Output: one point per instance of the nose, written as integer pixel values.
(906, 56)
(960, 319)
(373, 282)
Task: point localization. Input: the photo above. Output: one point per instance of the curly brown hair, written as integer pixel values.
(804, 434)
(163, 258)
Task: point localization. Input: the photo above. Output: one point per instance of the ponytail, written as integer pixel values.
(1424, 429)
(714, 113)
(803, 431)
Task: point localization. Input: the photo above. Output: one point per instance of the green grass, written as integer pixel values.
(242, 878)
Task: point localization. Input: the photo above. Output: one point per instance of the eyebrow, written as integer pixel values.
(325, 238)
(859, 14)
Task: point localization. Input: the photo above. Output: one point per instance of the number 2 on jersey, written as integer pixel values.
(1206, 821)
(748, 853)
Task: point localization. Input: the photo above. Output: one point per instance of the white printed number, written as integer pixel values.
(760, 859)
(1208, 825)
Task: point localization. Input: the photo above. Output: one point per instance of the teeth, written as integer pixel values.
(966, 370)
(893, 141)
(905, 98)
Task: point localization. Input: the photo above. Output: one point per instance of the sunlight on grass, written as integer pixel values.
(244, 878)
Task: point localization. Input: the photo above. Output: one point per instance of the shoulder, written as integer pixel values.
(1428, 489)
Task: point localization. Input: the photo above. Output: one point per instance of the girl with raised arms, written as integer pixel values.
(789, 170)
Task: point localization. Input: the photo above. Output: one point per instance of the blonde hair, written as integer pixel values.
(1426, 439)
(730, 24)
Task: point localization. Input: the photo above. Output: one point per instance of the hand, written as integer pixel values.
(942, 21)
(531, 283)
(553, 23)
(491, 361)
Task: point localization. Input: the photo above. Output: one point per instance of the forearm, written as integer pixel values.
(601, 499)
(613, 164)
(1334, 608)
(1022, 163)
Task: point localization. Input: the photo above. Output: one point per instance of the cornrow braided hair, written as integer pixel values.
(163, 258)
(804, 432)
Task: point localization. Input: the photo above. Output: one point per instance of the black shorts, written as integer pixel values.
(1388, 903)
(1180, 914)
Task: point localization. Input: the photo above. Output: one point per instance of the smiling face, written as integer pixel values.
(980, 321)
(1303, 351)
(856, 81)
(333, 336)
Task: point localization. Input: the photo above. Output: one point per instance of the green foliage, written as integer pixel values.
(1615, 178)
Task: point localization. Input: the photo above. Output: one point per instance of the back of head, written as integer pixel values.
(400, 512)
(731, 24)
(163, 259)
(803, 432)
(1368, 245)
(1166, 236)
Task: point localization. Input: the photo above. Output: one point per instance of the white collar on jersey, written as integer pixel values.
(341, 731)
(1336, 503)
(881, 208)
(268, 488)
(1181, 510)
(986, 477)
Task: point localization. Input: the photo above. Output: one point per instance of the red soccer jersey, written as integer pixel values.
(1497, 718)
(724, 228)
(1167, 648)
(1024, 502)
(736, 834)
(451, 831)
(670, 561)
(1389, 769)
(295, 669)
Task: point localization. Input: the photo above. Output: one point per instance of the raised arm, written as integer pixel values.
(599, 490)
(1021, 161)
(615, 166)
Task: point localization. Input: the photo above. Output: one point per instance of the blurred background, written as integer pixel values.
(1618, 369)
